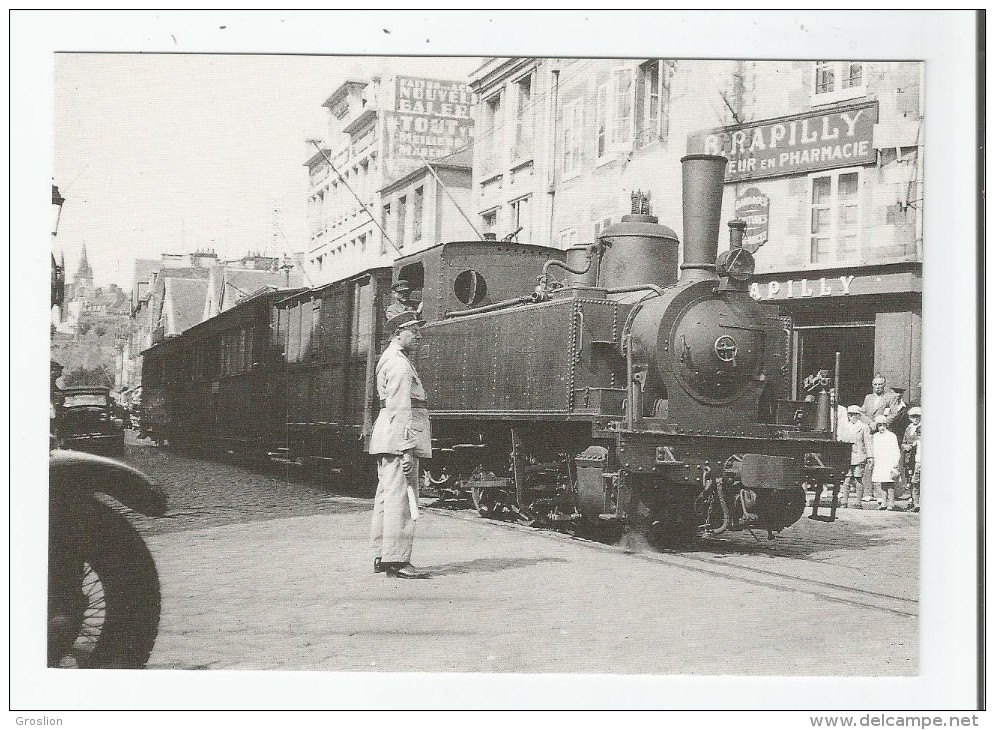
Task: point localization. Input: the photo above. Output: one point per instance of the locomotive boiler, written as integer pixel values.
(629, 392)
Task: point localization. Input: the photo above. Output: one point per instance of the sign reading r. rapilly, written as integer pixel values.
(820, 140)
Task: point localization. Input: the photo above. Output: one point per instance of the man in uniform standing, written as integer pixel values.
(401, 435)
(400, 294)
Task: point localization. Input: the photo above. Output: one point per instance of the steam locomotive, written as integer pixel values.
(622, 394)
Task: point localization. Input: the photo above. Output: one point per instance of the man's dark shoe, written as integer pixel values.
(378, 566)
(407, 570)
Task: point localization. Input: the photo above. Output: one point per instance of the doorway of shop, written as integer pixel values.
(816, 349)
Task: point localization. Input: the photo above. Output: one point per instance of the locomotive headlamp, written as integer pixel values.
(737, 264)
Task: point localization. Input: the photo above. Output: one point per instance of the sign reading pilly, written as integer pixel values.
(792, 145)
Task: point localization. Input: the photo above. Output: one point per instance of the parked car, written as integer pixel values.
(86, 421)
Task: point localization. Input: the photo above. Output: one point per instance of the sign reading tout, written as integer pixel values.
(431, 118)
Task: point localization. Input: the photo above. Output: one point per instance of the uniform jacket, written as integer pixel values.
(396, 308)
(858, 435)
(399, 426)
(889, 406)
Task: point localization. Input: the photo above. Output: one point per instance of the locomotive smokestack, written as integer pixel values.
(704, 176)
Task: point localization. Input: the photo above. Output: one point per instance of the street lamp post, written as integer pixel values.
(58, 273)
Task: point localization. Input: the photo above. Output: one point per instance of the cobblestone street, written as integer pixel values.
(262, 571)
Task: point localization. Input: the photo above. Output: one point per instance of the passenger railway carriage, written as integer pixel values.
(602, 385)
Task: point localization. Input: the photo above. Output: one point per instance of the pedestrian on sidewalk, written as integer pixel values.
(855, 432)
(914, 479)
(881, 401)
(401, 434)
(909, 439)
(887, 457)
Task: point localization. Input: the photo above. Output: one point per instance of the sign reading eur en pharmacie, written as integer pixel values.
(793, 145)
(753, 207)
(432, 118)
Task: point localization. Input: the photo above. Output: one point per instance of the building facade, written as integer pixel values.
(422, 209)
(825, 167)
(379, 132)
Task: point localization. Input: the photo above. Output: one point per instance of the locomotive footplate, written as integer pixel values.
(680, 457)
(741, 481)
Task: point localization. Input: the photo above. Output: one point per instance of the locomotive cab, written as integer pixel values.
(463, 275)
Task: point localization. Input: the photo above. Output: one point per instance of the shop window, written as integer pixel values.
(417, 213)
(402, 219)
(837, 81)
(835, 218)
(524, 120)
(521, 219)
(573, 133)
(816, 348)
(491, 139)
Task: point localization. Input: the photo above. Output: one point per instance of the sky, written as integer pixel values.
(170, 153)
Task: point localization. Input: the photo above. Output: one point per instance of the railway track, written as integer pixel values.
(719, 567)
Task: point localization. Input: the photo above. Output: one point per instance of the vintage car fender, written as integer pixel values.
(80, 474)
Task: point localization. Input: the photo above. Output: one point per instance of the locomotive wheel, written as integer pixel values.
(604, 531)
(667, 521)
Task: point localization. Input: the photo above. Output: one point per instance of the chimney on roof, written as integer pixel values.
(203, 259)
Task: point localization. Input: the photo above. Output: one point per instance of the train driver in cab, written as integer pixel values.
(401, 435)
(400, 294)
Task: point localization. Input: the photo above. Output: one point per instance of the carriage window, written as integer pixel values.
(315, 328)
(470, 287)
(294, 333)
(362, 320)
(306, 315)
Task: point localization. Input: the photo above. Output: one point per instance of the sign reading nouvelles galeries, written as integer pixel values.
(796, 144)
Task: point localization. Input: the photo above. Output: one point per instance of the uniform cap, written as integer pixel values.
(404, 319)
(400, 285)
(916, 411)
(854, 409)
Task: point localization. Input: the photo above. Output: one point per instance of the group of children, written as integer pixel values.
(880, 451)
